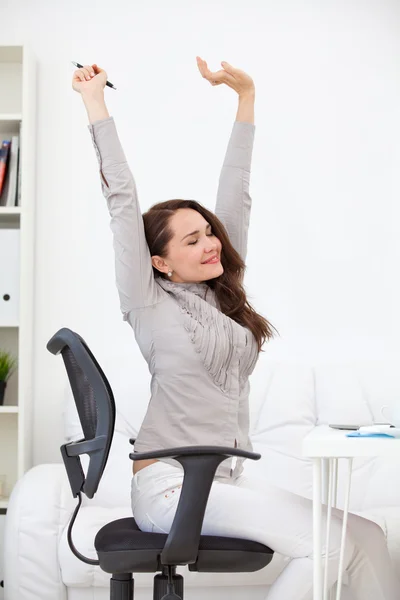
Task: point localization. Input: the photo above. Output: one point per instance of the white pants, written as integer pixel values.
(250, 508)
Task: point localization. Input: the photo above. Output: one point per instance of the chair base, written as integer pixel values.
(161, 586)
(121, 587)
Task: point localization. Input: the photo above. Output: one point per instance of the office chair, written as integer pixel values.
(121, 547)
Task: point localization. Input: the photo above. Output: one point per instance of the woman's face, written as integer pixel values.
(193, 253)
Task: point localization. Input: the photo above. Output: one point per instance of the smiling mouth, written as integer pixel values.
(211, 261)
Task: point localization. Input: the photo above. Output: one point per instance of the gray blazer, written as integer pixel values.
(199, 359)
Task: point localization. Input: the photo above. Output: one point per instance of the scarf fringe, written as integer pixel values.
(220, 341)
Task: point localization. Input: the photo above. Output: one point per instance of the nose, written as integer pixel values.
(211, 246)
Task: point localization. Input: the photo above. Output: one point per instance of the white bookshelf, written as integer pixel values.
(18, 117)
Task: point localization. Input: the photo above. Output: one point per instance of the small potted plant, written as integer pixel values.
(7, 366)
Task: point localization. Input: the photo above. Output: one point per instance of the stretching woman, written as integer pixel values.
(179, 271)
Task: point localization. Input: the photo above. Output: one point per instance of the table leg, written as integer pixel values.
(344, 529)
(334, 505)
(335, 481)
(325, 479)
(328, 487)
(329, 497)
(317, 526)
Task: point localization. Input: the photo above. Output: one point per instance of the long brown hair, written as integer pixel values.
(228, 287)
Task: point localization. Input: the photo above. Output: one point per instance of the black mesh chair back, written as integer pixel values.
(96, 408)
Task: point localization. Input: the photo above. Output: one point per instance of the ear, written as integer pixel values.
(160, 264)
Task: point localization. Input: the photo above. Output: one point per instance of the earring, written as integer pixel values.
(169, 273)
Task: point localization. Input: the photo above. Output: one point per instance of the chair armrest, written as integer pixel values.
(40, 507)
(194, 450)
(199, 464)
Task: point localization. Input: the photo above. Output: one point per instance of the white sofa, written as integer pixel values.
(287, 401)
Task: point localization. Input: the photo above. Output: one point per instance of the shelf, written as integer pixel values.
(10, 216)
(10, 124)
(18, 107)
(8, 410)
(10, 213)
(10, 210)
(11, 54)
(10, 117)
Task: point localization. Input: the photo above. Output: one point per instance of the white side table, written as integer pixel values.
(325, 446)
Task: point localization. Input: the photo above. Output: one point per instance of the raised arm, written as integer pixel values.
(133, 268)
(233, 198)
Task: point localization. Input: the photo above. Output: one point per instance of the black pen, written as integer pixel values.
(107, 82)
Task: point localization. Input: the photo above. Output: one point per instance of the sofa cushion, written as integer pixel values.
(287, 413)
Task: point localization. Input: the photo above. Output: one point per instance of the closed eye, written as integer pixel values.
(195, 242)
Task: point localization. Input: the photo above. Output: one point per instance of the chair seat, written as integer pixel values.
(122, 548)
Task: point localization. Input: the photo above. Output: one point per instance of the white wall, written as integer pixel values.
(324, 250)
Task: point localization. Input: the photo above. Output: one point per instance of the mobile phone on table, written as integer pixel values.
(345, 427)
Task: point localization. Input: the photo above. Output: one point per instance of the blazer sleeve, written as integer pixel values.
(233, 199)
(133, 269)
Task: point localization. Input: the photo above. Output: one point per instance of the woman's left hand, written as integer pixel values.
(234, 78)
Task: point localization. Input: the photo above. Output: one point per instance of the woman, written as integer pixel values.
(179, 272)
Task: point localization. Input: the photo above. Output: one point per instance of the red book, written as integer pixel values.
(4, 154)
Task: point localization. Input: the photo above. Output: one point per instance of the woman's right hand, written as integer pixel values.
(89, 79)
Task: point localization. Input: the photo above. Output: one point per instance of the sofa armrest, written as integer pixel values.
(40, 506)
